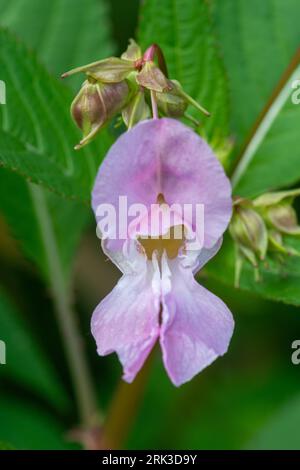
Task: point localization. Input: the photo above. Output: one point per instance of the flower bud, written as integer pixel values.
(276, 242)
(277, 245)
(260, 225)
(172, 103)
(95, 104)
(248, 230)
(284, 218)
(250, 235)
(152, 78)
(277, 210)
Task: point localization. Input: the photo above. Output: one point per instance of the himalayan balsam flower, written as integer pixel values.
(157, 298)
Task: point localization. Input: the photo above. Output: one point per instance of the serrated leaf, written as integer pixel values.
(47, 37)
(51, 226)
(37, 136)
(280, 280)
(184, 32)
(26, 363)
(260, 41)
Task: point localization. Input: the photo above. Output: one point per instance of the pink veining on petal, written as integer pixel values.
(126, 322)
(164, 156)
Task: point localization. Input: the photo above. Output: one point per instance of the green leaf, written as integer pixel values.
(279, 281)
(26, 363)
(37, 136)
(78, 30)
(270, 161)
(262, 66)
(258, 40)
(281, 431)
(184, 32)
(27, 427)
(68, 33)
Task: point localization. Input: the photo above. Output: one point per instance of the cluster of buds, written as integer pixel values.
(258, 227)
(129, 85)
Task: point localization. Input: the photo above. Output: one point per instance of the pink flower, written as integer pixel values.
(157, 298)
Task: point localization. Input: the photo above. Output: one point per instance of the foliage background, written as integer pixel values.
(230, 55)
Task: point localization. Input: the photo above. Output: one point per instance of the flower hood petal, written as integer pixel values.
(163, 156)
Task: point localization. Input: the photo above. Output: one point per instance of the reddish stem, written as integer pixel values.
(124, 408)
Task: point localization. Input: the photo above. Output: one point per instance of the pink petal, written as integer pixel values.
(195, 260)
(126, 322)
(164, 156)
(197, 327)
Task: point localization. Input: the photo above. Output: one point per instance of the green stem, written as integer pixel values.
(86, 398)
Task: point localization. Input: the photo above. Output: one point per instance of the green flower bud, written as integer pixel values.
(152, 78)
(95, 104)
(284, 219)
(171, 103)
(133, 51)
(137, 110)
(276, 197)
(276, 208)
(110, 70)
(250, 235)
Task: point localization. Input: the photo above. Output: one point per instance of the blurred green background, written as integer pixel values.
(250, 398)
